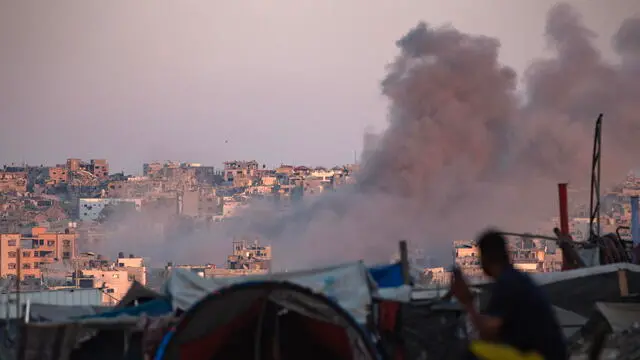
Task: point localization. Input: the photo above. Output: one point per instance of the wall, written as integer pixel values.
(58, 175)
(36, 249)
(67, 297)
(8, 243)
(90, 209)
(116, 280)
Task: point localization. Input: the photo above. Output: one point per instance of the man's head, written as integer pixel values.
(494, 255)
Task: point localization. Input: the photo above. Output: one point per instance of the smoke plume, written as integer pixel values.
(462, 151)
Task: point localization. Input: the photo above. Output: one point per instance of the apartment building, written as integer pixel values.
(58, 175)
(239, 169)
(13, 181)
(89, 209)
(114, 283)
(29, 251)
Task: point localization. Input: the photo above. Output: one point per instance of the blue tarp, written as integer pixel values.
(387, 276)
(156, 307)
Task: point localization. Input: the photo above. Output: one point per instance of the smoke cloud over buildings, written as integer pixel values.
(462, 151)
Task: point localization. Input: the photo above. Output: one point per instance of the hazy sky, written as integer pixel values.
(208, 81)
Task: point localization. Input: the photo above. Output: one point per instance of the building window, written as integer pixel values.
(66, 255)
(116, 276)
(36, 253)
(26, 266)
(13, 254)
(66, 242)
(26, 254)
(51, 242)
(36, 265)
(132, 277)
(11, 243)
(12, 266)
(41, 242)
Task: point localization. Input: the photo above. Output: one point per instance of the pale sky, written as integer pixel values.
(289, 81)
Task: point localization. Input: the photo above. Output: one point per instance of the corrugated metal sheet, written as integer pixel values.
(69, 297)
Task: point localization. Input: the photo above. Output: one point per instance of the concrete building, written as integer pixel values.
(249, 255)
(90, 209)
(239, 169)
(32, 250)
(73, 164)
(99, 168)
(134, 266)
(152, 169)
(114, 283)
(13, 182)
(58, 175)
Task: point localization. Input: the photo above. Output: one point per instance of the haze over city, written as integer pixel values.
(292, 81)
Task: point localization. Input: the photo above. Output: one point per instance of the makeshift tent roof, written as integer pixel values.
(578, 290)
(267, 318)
(157, 307)
(58, 313)
(349, 285)
(137, 292)
(386, 276)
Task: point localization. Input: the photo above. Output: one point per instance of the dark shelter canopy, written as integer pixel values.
(267, 320)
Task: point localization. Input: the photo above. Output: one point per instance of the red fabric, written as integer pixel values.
(388, 314)
(330, 335)
(207, 346)
(387, 322)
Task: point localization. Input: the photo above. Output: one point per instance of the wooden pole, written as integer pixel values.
(404, 261)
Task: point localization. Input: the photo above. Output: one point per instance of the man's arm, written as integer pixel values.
(487, 326)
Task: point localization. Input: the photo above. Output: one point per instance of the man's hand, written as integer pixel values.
(460, 288)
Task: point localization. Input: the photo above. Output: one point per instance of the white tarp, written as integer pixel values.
(569, 321)
(557, 276)
(621, 316)
(553, 277)
(347, 284)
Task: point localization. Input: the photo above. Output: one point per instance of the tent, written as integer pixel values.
(350, 285)
(270, 318)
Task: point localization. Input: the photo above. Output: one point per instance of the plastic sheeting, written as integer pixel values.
(158, 307)
(348, 285)
(387, 276)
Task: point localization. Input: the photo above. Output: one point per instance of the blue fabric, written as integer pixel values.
(387, 276)
(156, 307)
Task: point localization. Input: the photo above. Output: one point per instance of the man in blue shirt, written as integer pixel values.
(519, 313)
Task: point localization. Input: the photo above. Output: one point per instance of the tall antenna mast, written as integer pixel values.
(594, 207)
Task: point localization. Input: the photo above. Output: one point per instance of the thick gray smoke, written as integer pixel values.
(463, 152)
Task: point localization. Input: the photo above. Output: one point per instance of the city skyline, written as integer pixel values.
(149, 91)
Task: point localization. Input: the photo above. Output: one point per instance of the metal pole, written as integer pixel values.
(404, 261)
(564, 209)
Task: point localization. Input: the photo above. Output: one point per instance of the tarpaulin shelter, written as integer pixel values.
(267, 319)
(66, 332)
(350, 285)
(137, 294)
